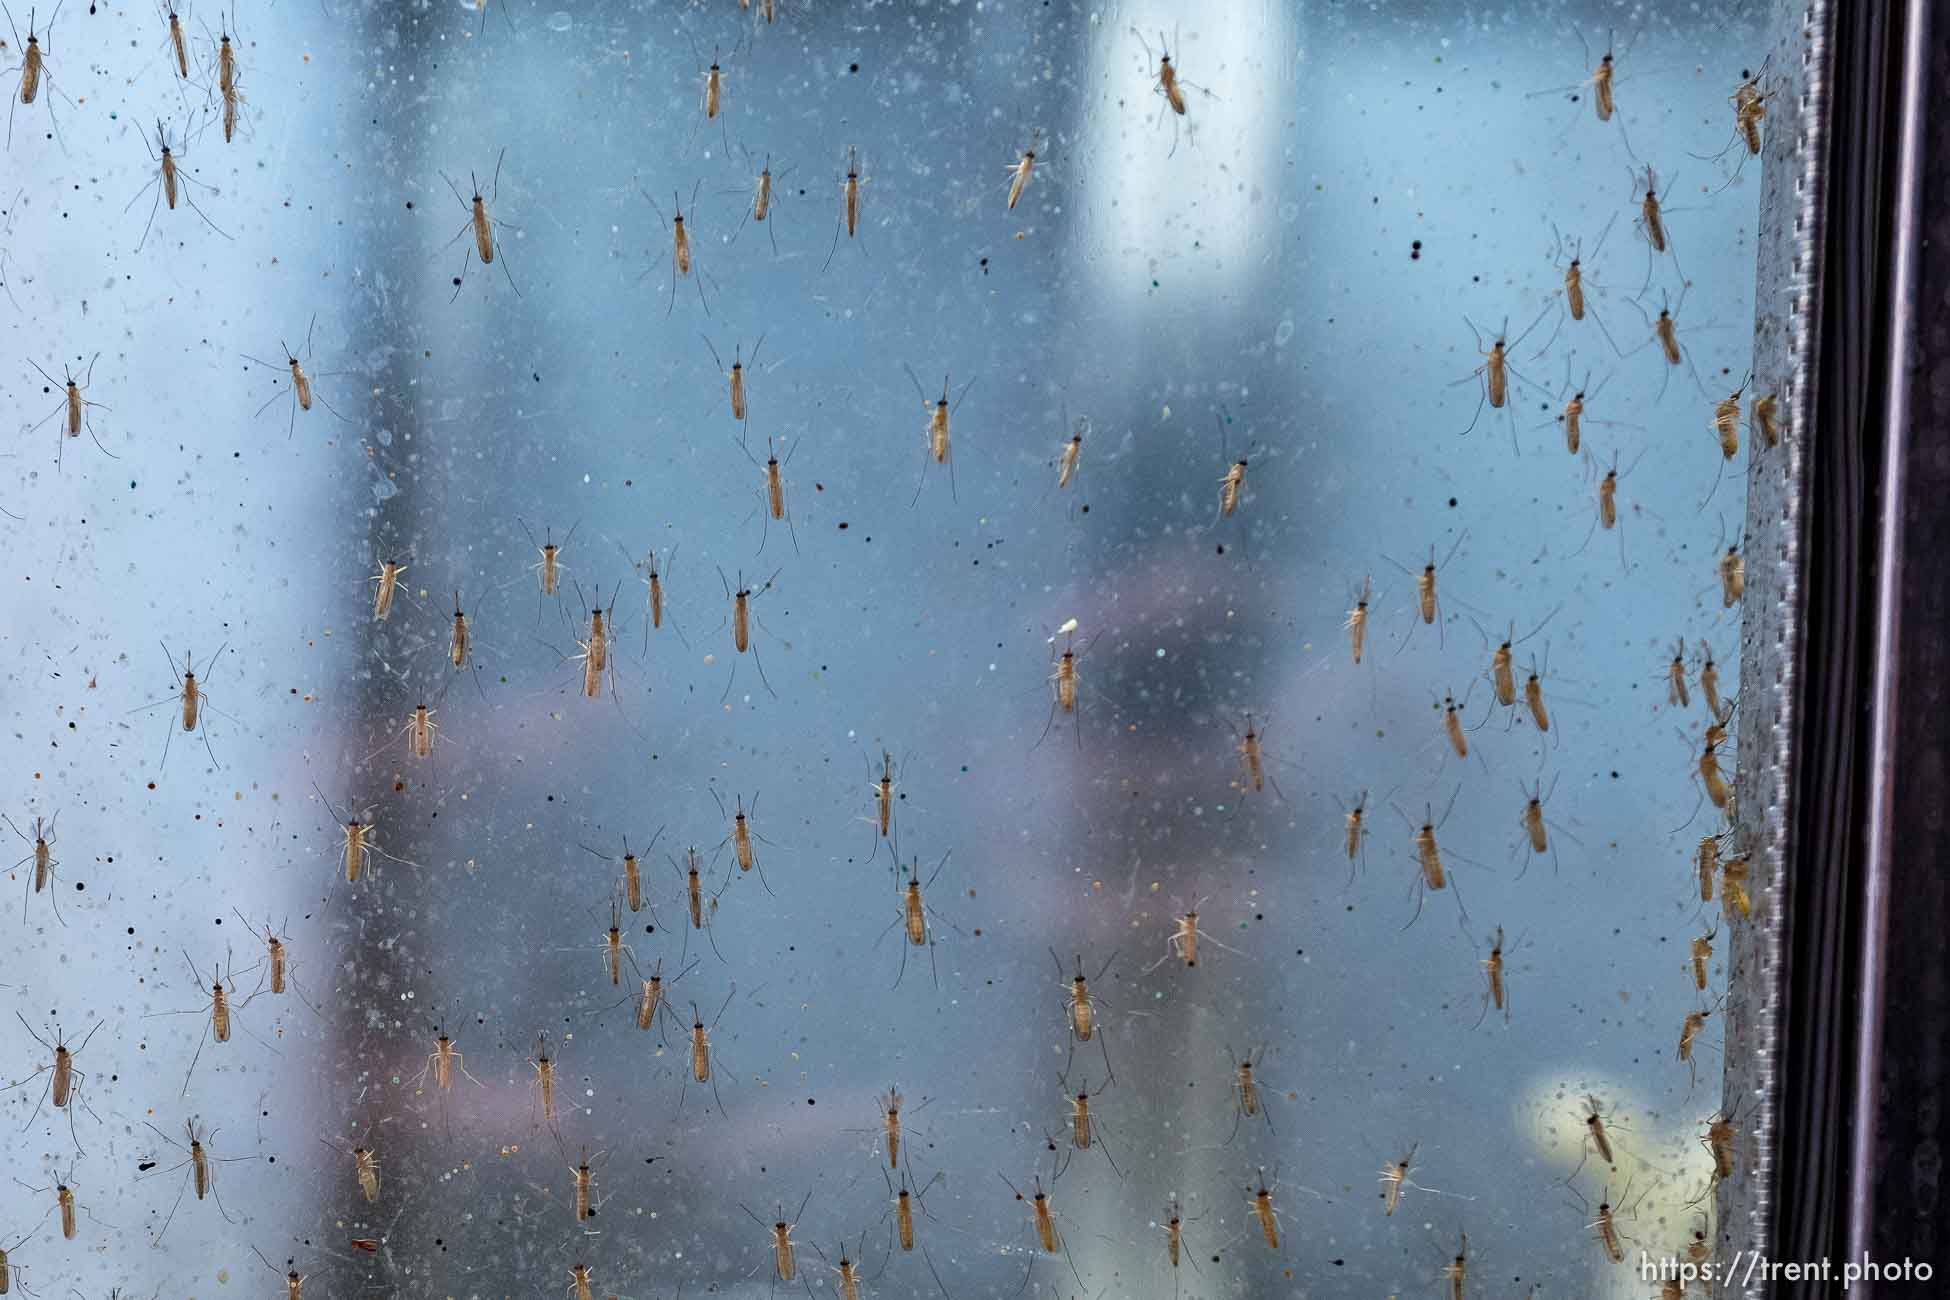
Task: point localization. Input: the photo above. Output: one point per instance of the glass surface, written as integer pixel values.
(1284, 276)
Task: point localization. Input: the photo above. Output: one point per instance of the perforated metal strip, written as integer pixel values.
(1787, 274)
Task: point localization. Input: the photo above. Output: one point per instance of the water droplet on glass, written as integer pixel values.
(1289, 212)
(1284, 334)
(559, 21)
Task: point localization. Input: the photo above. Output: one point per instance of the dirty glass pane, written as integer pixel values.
(1267, 316)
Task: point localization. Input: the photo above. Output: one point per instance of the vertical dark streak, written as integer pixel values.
(1823, 891)
(1912, 1067)
(398, 291)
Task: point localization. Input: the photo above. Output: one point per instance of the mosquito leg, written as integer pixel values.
(756, 663)
(822, 267)
(201, 1039)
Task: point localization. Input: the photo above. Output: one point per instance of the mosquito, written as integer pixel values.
(741, 837)
(1232, 483)
(700, 1052)
(652, 574)
(1726, 430)
(1502, 674)
(611, 945)
(548, 567)
(596, 659)
(734, 377)
(766, 192)
(649, 1002)
(1175, 1249)
(1495, 974)
(583, 1199)
(849, 218)
(64, 1203)
(1252, 755)
(940, 445)
(882, 784)
(170, 180)
(294, 1281)
(366, 1168)
(1086, 1126)
(226, 88)
(1063, 681)
(219, 1014)
(193, 700)
(303, 389)
(1080, 1007)
(903, 1211)
(1355, 832)
(460, 650)
(1043, 1215)
(681, 259)
(1356, 625)
(1246, 1098)
(546, 1079)
(201, 1176)
(1578, 288)
(1689, 1036)
(33, 70)
(785, 1260)
(847, 1275)
(711, 94)
(632, 878)
(773, 503)
(357, 841)
(1573, 415)
(41, 855)
(1428, 600)
(915, 916)
(73, 405)
(1651, 223)
(1168, 85)
(481, 225)
(1428, 854)
(1601, 82)
(11, 1269)
(703, 912)
(1395, 1180)
(442, 1062)
(1749, 112)
(1665, 333)
(1022, 169)
(1597, 1136)
(1606, 1224)
(889, 1108)
(1182, 944)
(1069, 457)
(1764, 418)
(277, 956)
(64, 1083)
(1606, 516)
(741, 620)
(1496, 371)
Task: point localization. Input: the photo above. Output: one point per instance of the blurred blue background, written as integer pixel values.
(1296, 261)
